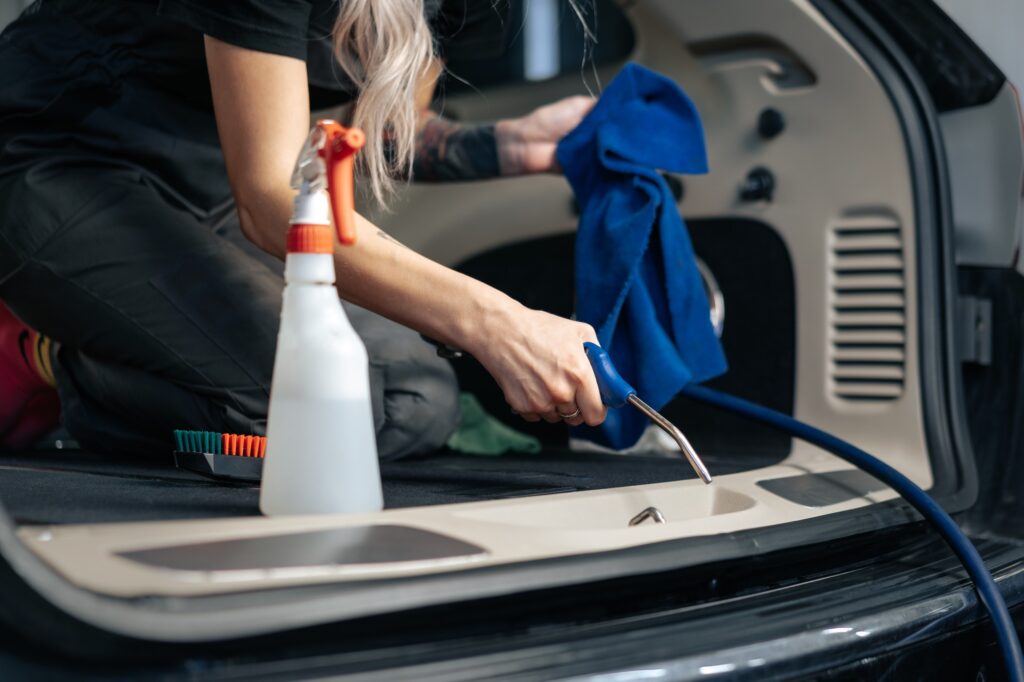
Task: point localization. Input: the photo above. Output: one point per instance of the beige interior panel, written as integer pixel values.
(509, 531)
(840, 166)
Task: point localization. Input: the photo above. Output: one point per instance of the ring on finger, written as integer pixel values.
(570, 416)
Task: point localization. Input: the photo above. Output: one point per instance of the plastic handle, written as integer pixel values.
(338, 153)
(615, 390)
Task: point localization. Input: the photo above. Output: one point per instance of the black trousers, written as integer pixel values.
(166, 321)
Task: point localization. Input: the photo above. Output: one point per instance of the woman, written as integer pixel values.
(145, 152)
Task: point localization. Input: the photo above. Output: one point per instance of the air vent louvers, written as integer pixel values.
(868, 310)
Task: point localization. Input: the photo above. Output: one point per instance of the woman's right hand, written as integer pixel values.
(539, 362)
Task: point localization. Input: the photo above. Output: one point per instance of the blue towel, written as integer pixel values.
(636, 277)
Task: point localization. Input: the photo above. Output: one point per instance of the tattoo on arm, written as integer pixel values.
(447, 151)
(387, 237)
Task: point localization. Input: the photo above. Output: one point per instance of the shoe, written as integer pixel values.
(29, 407)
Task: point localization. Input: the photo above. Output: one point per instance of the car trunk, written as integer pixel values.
(838, 303)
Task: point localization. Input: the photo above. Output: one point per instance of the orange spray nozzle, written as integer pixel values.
(338, 151)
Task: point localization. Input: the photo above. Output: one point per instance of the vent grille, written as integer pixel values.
(868, 312)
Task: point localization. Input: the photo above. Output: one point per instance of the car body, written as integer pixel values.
(877, 292)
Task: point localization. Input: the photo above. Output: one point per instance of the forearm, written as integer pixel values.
(447, 151)
(536, 358)
(382, 275)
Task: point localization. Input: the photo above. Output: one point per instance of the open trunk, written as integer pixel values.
(839, 294)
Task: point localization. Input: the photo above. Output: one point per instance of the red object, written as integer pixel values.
(338, 154)
(243, 446)
(29, 407)
(310, 239)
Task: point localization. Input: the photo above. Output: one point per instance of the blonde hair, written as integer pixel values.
(384, 47)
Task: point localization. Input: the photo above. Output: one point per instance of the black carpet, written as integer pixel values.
(80, 487)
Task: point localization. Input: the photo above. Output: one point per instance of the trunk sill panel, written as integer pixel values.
(104, 558)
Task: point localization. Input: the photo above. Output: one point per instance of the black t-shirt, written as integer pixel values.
(164, 37)
(293, 28)
(302, 29)
(125, 81)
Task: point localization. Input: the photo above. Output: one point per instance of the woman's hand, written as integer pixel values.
(527, 144)
(539, 362)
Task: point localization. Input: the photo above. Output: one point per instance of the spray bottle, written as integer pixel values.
(321, 446)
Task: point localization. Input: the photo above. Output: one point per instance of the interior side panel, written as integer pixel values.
(843, 202)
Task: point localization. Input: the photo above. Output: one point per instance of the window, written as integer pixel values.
(546, 39)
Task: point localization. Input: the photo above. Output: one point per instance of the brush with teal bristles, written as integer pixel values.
(224, 456)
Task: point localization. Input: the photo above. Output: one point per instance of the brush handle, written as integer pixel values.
(615, 391)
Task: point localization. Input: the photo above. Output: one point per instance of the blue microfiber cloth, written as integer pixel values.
(636, 277)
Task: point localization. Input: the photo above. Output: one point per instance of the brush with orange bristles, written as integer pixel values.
(225, 456)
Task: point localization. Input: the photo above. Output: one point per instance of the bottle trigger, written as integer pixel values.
(338, 154)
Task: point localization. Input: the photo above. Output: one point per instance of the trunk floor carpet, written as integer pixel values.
(74, 486)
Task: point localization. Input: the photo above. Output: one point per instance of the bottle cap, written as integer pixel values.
(304, 238)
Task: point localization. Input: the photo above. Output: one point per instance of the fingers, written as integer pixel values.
(588, 395)
(593, 411)
(570, 409)
(533, 417)
(526, 415)
(551, 417)
(544, 371)
(581, 103)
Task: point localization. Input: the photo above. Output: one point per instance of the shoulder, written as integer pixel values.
(274, 26)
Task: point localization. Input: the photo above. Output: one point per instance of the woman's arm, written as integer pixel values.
(447, 150)
(262, 107)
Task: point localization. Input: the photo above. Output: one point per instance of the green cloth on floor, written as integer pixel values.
(481, 434)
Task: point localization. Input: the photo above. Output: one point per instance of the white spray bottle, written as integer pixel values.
(321, 447)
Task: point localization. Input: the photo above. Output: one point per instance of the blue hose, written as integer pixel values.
(615, 391)
(989, 593)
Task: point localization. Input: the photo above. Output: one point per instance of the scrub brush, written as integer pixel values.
(223, 456)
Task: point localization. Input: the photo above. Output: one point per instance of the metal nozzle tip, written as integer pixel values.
(671, 429)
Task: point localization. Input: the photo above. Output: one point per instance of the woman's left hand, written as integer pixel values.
(527, 144)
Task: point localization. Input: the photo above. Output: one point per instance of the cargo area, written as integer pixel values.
(817, 287)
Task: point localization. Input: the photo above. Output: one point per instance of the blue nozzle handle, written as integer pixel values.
(615, 390)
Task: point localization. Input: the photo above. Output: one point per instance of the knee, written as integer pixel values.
(420, 406)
